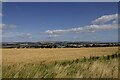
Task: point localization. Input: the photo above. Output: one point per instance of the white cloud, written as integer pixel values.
(1, 14)
(7, 26)
(89, 28)
(0, 26)
(93, 28)
(53, 36)
(115, 21)
(28, 35)
(98, 24)
(105, 18)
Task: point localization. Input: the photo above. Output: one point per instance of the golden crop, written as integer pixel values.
(37, 55)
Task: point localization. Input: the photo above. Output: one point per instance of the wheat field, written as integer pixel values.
(47, 55)
(60, 63)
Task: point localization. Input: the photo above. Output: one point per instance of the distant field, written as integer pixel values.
(47, 55)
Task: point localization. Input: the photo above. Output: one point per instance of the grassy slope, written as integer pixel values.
(94, 67)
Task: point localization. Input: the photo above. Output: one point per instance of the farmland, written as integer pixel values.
(37, 55)
(60, 63)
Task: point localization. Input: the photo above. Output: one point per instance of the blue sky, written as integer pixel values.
(61, 0)
(25, 21)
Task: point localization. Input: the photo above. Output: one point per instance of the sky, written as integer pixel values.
(0, 22)
(60, 0)
(65, 21)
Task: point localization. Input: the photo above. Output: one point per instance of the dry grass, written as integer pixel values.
(79, 68)
(63, 63)
(37, 55)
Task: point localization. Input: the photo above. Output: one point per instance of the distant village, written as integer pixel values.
(64, 44)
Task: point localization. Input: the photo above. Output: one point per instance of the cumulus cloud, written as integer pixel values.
(105, 18)
(93, 28)
(28, 36)
(97, 24)
(89, 28)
